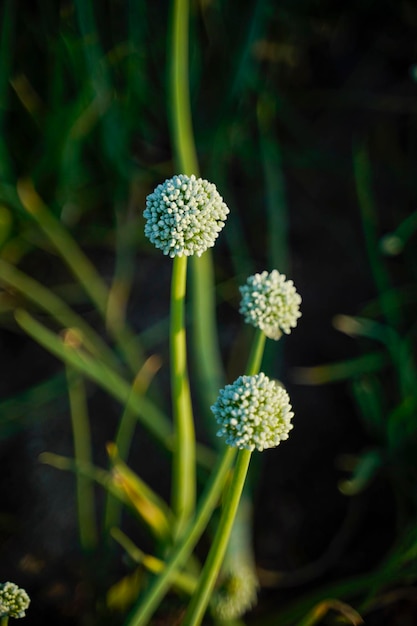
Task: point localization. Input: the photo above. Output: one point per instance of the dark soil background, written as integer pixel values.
(339, 75)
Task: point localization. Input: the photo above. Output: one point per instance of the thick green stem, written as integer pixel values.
(201, 598)
(256, 353)
(184, 472)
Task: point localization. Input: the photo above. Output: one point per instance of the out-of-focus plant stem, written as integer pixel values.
(82, 451)
(363, 178)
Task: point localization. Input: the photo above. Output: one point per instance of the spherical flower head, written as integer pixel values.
(184, 215)
(13, 601)
(236, 595)
(253, 412)
(271, 303)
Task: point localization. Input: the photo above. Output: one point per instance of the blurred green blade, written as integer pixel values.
(340, 370)
(366, 468)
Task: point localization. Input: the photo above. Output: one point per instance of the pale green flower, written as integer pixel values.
(184, 215)
(236, 594)
(253, 412)
(13, 601)
(271, 303)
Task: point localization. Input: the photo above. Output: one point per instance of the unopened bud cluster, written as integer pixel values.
(13, 601)
(254, 412)
(271, 303)
(184, 215)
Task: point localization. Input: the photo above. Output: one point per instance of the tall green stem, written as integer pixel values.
(256, 353)
(182, 130)
(184, 474)
(200, 599)
(82, 452)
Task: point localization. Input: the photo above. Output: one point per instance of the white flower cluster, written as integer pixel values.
(184, 215)
(236, 595)
(253, 412)
(271, 303)
(13, 601)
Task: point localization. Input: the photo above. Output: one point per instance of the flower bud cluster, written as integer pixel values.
(184, 215)
(237, 594)
(271, 303)
(253, 412)
(13, 601)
